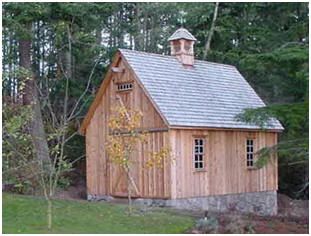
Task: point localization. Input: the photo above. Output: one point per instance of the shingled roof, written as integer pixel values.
(205, 95)
(182, 33)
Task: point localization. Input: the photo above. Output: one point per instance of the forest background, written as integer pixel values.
(55, 56)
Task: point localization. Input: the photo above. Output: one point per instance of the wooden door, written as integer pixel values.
(120, 181)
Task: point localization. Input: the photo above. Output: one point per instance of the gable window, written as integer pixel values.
(250, 152)
(125, 86)
(198, 153)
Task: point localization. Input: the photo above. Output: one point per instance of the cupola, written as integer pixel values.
(182, 42)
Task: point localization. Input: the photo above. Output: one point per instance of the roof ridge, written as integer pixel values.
(143, 52)
(169, 56)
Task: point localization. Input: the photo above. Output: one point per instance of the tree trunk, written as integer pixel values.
(120, 28)
(153, 35)
(68, 64)
(139, 37)
(114, 30)
(145, 30)
(129, 191)
(30, 97)
(110, 33)
(99, 37)
(211, 32)
(11, 63)
(49, 213)
(68, 55)
(25, 64)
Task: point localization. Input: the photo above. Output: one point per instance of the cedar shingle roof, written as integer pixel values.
(182, 33)
(206, 95)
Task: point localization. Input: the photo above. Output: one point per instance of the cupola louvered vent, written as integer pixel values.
(125, 86)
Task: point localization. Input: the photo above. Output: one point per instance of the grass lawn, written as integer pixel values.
(26, 214)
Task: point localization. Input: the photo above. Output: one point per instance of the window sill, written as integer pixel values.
(124, 91)
(199, 170)
(252, 168)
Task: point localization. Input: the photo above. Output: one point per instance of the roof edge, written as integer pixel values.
(226, 128)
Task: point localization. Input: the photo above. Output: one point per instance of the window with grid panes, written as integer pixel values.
(249, 152)
(198, 153)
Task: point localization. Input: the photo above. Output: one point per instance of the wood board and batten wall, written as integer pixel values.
(106, 178)
(225, 169)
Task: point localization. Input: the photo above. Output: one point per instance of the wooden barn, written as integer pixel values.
(189, 105)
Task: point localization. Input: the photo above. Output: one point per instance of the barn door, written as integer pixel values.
(119, 176)
(119, 182)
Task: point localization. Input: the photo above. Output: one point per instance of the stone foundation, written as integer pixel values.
(107, 198)
(261, 203)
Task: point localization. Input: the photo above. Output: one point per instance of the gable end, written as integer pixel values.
(117, 60)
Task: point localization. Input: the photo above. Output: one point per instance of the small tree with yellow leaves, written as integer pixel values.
(125, 135)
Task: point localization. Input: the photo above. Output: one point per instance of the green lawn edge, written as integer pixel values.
(27, 214)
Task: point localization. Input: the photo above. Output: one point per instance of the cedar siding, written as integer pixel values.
(225, 169)
(105, 178)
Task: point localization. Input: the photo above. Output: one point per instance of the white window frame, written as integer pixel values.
(198, 153)
(250, 152)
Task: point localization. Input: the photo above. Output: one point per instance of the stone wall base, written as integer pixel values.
(261, 203)
(94, 197)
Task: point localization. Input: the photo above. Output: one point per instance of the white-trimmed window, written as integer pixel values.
(250, 152)
(198, 154)
(125, 86)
